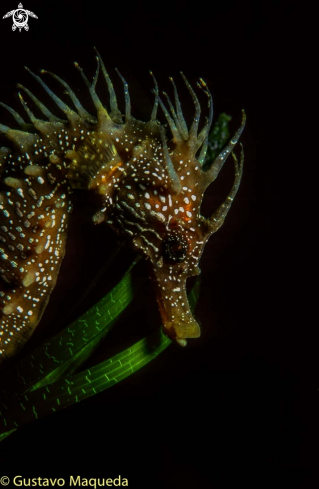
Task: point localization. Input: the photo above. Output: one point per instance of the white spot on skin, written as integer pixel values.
(159, 216)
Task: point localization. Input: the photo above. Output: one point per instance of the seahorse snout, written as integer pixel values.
(179, 330)
(177, 318)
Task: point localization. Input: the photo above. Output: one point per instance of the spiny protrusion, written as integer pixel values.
(218, 217)
(81, 110)
(21, 139)
(171, 122)
(91, 86)
(182, 124)
(172, 175)
(171, 108)
(203, 135)
(173, 112)
(15, 114)
(127, 97)
(155, 107)
(4, 129)
(45, 111)
(212, 173)
(32, 117)
(115, 112)
(71, 115)
(194, 126)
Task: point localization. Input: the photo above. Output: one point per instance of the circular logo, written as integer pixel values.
(20, 18)
(4, 480)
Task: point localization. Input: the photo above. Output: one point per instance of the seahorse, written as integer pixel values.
(150, 186)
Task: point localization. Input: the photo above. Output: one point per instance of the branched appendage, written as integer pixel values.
(218, 217)
(150, 186)
(213, 171)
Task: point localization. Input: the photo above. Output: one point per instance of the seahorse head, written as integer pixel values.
(159, 203)
(151, 180)
(152, 186)
(165, 223)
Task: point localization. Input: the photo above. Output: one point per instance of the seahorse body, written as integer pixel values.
(150, 187)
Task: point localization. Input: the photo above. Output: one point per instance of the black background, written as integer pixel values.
(242, 399)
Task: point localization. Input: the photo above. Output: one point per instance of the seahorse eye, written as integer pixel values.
(175, 248)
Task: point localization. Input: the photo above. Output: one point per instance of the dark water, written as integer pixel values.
(242, 397)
